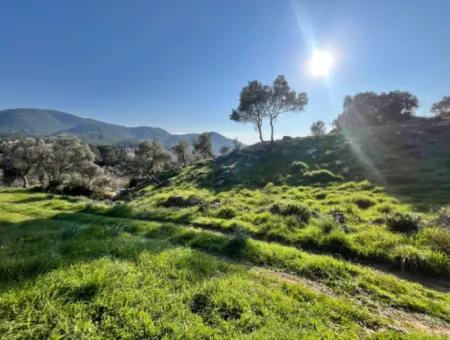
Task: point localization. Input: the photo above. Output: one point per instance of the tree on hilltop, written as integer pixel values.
(318, 128)
(258, 102)
(442, 108)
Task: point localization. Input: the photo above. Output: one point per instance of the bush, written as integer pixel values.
(226, 213)
(181, 202)
(338, 215)
(337, 242)
(321, 176)
(363, 202)
(385, 209)
(328, 223)
(404, 223)
(237, 243)
(298, 167)
(436, 239)
(444, 217)
(302, 212)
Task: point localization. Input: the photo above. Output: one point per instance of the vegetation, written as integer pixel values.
(370, 108)
(104, 274)
(442, 108)
(258, 102)
(334, 235)
(318, 128)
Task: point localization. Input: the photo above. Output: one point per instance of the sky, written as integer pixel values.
(180, 65)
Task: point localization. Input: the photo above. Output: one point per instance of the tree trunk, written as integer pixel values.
(260, 134)
(156, 180)
(25, 181)
(271, 130)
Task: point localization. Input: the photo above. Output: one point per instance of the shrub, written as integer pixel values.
(435, 238)
(226, 213)
(298, 167)
(321, 176)
(385, 209)
(444, 217)
(237, 243)
(327, 224)
(337, 242)
(302, 212)
(182, 202)
(404, 223)
(338, 215)
(363, 202)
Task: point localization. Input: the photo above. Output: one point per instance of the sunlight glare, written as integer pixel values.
(320, 63)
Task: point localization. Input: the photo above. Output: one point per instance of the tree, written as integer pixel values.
(150, 159)
(318, 128)
(258, 102)
(203, 145)
(370, 108)
(22, 158)
(182, 152)
(442, 108)
(69, 157)
(224, 150)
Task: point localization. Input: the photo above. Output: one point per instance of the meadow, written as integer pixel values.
(298, 240)
(71, 269)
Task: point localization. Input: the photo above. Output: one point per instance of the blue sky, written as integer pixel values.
(180, 65)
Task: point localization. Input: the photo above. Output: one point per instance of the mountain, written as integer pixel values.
(41, 122)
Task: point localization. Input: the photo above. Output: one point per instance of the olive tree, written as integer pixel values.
(318, 128)
(22, 158)
(442, 108)
(258, 102)
(150, 159)
(203, 146)
(182, 152)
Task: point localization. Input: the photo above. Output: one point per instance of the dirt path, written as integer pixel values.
(402, 320)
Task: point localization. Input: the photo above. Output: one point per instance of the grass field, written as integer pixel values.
(71, 271)
(255, 244)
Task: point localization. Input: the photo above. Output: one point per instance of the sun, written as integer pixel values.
(320, 63)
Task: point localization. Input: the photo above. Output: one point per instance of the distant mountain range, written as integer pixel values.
(41, 122)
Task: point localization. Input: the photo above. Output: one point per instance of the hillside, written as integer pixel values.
(253, 244)
(39, 122)
(412, 161)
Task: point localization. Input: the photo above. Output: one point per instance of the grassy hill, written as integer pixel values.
(248, 245)
(40, 122)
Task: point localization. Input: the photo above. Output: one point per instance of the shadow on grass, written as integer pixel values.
(36, 247)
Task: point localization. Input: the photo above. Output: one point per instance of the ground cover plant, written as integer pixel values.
(79, 273)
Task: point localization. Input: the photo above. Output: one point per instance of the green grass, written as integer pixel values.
(347, 220)
(67, 273)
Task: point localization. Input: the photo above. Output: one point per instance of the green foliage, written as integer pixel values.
(404, 223)
(104, 282)
(298, 167)
(226, 213)
(328, 224)
(363, 202)
(321, 176)
(301, 212)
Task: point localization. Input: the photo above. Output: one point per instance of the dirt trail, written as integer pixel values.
(402, 320)
(431, 283)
